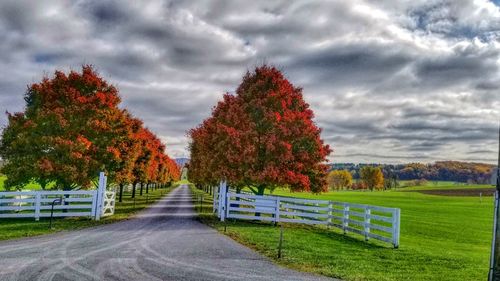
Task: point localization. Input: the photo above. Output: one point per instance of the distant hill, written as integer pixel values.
(182, 161)
(439, 171)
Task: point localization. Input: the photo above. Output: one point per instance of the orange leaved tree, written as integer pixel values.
(261, 137)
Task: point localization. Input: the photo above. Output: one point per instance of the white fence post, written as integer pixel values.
(330, 213)
(277, 212)
(345, 218)
(37, 206)
(396, 220)
(99, 197)
(94, 203)
(367, 222)
(102, 197)
(222, 200)
(226, 201)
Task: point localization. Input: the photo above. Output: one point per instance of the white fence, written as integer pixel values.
(375, 222)
(38, 204)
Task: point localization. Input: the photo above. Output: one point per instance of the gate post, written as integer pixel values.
(100, 196)
(222, 200)
(38, 203)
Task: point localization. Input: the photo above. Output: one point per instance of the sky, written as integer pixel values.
(389, 81)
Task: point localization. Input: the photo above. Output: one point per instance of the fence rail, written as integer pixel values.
(374, 222)
(38, 204)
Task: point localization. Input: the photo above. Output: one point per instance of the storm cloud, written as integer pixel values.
(389, 81)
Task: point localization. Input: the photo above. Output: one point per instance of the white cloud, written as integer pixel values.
(390, 81)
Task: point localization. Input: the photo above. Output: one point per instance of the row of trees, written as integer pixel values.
(71, 129)
(439, 171)
(261, 137)
(370, 178)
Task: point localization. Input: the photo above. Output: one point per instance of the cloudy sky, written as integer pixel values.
(389, 81)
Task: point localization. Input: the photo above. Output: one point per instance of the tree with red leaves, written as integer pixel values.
(71, 130)
(260, 138)
(71, 123)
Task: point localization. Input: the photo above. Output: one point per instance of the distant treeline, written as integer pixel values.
(438, 171)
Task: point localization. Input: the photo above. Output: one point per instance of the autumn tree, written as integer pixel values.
(130, 148)
(140, 169)
(339, 179)
(372, 177)
(68, 131)
(261, 137)
(71, 129)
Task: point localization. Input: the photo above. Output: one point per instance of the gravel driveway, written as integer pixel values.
(164, 242)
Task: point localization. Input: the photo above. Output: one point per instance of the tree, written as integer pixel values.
(390, 180)
(130, 148)
(67, 134)
(71, 129)
(262, 137)
(339, 179)
(140, 169)
(372, 177)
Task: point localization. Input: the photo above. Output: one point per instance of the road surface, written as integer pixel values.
(164, 242)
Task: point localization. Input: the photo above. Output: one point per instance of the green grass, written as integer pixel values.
(30, 186)
(443, 185)
(442, 238)
(182, 182)
(27, 227)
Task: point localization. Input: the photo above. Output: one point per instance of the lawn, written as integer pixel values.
(30, 186)
(26, 227)
(443, 185)
(442, 238)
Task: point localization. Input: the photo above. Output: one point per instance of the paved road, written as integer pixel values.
(164, 242)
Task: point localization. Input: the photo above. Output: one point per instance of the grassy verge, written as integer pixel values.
(30, 186)
(442, 238)
(27, 227)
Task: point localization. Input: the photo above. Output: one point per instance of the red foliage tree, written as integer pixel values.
(262, 137)
(71, 129)
(72, 124)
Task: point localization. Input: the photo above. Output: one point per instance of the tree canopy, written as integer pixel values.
(372, 177)
(261, 137)
(339, 179)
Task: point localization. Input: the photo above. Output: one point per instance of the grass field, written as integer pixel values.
(30, 186)
(26, 227)
(442, 238)
(443, 185)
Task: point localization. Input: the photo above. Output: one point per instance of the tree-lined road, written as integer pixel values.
(164, 242)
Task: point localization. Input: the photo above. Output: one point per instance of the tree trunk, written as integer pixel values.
(260, 191)
(133, 189)
(43, 184)
(147, 188)
(142, 187)
(121, 193)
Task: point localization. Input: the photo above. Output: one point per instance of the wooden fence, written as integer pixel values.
(374, 222)
(38, 204)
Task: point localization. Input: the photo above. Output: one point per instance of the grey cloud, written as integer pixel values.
(361, 64)
(457, 68)
(389, 81)
(107, 13)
